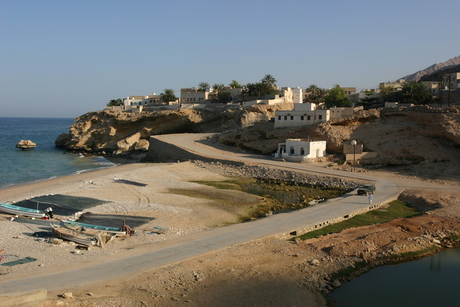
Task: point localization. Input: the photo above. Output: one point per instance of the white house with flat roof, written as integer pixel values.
(303, 114)
(301, 150)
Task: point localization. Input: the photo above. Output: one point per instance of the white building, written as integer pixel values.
(303, 114)
(141, 100)
(301, 150)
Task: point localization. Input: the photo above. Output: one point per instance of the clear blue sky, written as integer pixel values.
(64, 58)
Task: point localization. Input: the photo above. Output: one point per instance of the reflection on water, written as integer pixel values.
(431, 281)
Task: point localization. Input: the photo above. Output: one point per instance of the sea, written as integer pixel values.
(43, 162)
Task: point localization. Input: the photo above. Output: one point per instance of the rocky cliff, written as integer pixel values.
(115, 133)
(423, 136)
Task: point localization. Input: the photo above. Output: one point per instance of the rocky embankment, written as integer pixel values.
(417, 140)
(117, 133)
(267, 173)
(420, 141)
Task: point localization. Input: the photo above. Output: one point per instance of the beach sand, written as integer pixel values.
(170, 212)
(268, 272)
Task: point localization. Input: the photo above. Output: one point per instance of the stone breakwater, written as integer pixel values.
(263, 172)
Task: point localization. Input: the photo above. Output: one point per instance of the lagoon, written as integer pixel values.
(431, 281)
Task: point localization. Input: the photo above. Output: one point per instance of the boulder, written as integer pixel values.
(26, 144)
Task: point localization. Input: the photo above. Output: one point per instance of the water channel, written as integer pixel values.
(431, 281)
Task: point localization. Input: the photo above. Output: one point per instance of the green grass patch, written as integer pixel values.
(395, 209)
(231, 184)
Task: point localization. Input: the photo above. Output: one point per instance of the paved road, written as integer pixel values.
(128, 263)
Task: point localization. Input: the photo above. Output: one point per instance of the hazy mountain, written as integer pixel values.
(432, 69)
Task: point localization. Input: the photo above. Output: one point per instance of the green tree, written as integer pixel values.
(203, 86)
(337, 97)
(219, 94)
(115, 102)
(254, 89)
(266, 86)
(269, 80)
(416, 93)
(315, 94)
(235, 84)
(389, 93)
(370, 97)
(168, 96)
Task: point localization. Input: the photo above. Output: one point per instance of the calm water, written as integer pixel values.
(431, 281)
(43, 162)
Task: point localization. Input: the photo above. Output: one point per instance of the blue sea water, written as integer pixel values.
(45, 161)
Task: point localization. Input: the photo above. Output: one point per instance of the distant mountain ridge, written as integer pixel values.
(432, 69)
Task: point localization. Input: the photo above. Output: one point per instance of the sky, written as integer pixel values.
(64, 58)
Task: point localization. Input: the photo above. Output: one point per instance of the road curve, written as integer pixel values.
(128, 263)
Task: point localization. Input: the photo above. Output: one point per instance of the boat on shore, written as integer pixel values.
(16, 210)
(68, 234)
(113, 230)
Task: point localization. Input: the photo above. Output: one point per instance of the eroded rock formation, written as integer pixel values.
(123, 133)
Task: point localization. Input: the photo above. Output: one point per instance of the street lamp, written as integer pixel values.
(353, 143)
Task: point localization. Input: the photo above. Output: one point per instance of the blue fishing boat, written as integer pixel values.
(16, 210)
(113, 230)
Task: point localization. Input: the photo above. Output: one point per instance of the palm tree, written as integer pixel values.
(218, 87)
(235, 84)
(269, 80)
(219, 94)
(203, 86)
(416, 93)
(315, 94)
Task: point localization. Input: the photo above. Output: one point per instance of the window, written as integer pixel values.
(320, 117)
(292, 117)
(279, 117)
(292, 150)
(302, 151)
(308, 117)
(285, 117)
(301, 117)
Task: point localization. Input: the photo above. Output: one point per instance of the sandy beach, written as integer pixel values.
(170, 212)
(268, 272)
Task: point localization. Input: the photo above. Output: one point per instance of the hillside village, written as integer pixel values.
(303, 106)
(293, 124)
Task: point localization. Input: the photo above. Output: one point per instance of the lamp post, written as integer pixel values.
(353, 143)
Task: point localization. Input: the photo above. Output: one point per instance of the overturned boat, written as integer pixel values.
(62, 232)
(16, 210)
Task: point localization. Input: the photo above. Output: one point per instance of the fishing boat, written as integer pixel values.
(114, 230)
(16, 210)
(72, 235)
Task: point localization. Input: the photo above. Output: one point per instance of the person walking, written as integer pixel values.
(370, 198)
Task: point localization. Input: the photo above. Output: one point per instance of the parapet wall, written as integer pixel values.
(301, 231)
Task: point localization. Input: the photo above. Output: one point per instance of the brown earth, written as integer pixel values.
(273, 272)
(420, 142)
